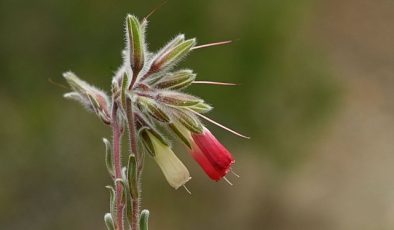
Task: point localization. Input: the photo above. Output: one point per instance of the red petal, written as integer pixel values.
(217, 155)
(205, 164)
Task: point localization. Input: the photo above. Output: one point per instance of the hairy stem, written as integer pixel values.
(118, 166)
(136, 203)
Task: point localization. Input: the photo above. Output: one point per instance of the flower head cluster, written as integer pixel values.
(154, 88)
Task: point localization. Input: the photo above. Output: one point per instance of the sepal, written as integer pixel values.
(109, 222)
(189, 120)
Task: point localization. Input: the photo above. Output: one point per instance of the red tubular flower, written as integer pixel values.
(211, 155)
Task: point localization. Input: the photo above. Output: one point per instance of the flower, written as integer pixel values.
(173, 169)
(211, 155)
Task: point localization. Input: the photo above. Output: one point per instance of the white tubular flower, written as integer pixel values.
(173, 169)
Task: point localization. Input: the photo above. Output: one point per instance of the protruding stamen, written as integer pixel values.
(228, 182)
(220, 125)
(154, 10)
(187, 190)
(211, 44)
(235, 174)
(57, 84)
(214, 83)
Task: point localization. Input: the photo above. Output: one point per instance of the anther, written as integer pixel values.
(187, 190)
(235, 174)
(228, 182)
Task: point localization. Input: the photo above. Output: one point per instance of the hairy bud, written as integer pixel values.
(177, 80)
(177, 99)
(172, 54)
(153, 109)
(135, 38)
(89, 96)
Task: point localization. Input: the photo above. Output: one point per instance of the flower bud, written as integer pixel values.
(170, 45)
(173, 169)
(201, 107)
(177, 80)
(150, 106)
(92, 98)
(136, 47)
(177, 99)
(171, 55)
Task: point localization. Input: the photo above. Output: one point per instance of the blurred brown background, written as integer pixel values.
(315, 94)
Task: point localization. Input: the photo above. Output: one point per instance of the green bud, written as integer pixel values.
(109, 222)
(172, 56)
(144, 219)
(126, 198)
(89, 96)
(177, 80)
(174, 42)
(178, 99)
(135, 38)
(190, 121)
(201, 107)
(109, 157)
(153, 109)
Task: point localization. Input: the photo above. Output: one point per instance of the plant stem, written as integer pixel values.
(136, 203)
(118, 166)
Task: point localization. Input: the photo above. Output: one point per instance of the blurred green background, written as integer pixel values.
(315, 93)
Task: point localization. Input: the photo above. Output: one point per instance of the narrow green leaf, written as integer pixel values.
(109, 222)
(181, 136)
(132, 176)
(144, 218)
(109, 157)
(112, 202)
